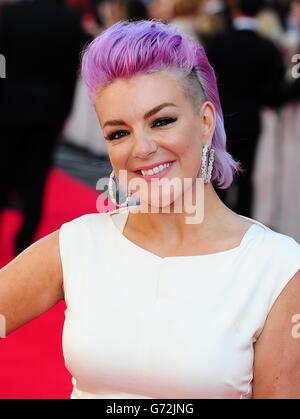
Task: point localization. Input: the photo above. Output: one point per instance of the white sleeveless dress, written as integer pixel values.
(141, 326)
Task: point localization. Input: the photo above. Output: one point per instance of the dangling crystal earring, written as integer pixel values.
(112, 180)
(207, 162)
(204, 162)
(210, 164)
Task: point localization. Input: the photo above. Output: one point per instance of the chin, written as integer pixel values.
(161, 201)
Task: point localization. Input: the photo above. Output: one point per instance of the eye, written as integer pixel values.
(116, 135)
(163, 121)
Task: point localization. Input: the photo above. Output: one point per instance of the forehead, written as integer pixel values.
(139, 94)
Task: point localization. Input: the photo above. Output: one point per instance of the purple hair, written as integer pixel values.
(126, 49)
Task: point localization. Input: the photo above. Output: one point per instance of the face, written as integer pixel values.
(295, 12)
(111, 12)
(149, 121)
(161, 9)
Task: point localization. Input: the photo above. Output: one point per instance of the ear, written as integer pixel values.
(208, 122)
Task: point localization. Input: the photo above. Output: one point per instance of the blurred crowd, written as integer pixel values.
(253, 46)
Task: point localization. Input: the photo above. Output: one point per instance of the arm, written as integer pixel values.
(31, 283)
(277, 351)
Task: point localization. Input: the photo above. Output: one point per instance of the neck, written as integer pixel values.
(245, 23)
(174, 225)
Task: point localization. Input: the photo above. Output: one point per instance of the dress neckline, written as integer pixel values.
(119, 225)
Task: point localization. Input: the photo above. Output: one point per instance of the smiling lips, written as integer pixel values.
(155, 172)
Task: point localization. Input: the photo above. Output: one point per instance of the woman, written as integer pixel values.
(82, 127)
(158, 307)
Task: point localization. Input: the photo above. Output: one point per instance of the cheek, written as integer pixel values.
(117, 155)
(187, 145)
(190, 155)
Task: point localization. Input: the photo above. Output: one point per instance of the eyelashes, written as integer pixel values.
(161, 122)
(116, 135)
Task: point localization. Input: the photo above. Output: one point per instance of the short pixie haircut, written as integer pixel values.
(130, 48)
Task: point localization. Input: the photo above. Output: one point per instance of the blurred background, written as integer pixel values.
(51, 146)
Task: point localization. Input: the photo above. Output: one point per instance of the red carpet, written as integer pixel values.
(31, 361)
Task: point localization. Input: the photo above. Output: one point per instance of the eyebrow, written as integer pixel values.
(116, 122)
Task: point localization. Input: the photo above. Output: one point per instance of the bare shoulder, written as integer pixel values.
(277, 351)
(32, 282)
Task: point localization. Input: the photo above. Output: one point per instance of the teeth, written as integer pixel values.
(155, 170)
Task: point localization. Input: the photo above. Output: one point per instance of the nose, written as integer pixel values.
(143, 146)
